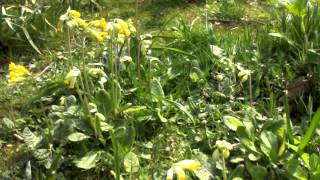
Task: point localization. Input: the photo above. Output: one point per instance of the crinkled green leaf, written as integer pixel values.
(131, 162)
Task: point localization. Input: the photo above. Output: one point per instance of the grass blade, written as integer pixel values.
(313, 126)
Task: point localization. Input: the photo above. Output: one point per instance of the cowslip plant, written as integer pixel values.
(266, 150)
(179, 167)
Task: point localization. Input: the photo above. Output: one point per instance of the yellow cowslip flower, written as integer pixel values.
(101, 23)
(223, 144)
(82, 23)
(223, 149)
(191, 165)
(180, 172)
(126, 59)
(131, 26)
(17, 73)
(71, 77)
(170, 174)
(96, 34)
(124, 28)
(104, 25)
(104, 34)
(74, 14)
(120, 38)
(179, 167)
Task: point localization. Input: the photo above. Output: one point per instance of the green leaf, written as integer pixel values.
(156, 89)
(131, 163)
(294, 169)
(269, 145)
(26, 33)
(89, 160)
(8, 123)
(256, 172)
(232, 123)
(313, 126)
(162, 119)
(77, 136)
(125, 136)
(245, 140)
(269, 139)
(217, 51)
(43, 156)
(103, 102)
(284, 37)
(175, 50)
(314, 162)
(181, 108)
(297, 8)
(28, 172)
(237, 172)
(31, 139)
(134, 109)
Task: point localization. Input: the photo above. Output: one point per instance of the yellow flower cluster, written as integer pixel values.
(223, 150)
(17, 73)
(179, 168)
(99, 29)
(71, 77)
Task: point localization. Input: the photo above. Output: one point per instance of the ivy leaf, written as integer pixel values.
(131, 163)
(31, 139)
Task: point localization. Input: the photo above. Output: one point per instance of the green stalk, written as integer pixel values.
(288, 122)
(116, 155)
(224, 169)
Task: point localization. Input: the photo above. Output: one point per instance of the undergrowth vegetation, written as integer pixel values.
(216, 89)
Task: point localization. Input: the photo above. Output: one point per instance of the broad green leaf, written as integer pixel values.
(313, 126)
(217, 51)
(156, 89)
(77, 136)
(131, 163)
(103, 102)
(181, 108)
(232, 123)
(297, 8)
(315, 162)
(43, 156)
(89, 160)
(269, 145)
(237, 172)
(269, 139)
(256, 172)
(245, 140)
(294, 169)
(254, 157)
(236, 159)
(8, 123)
(31, 139)
(125, 136)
